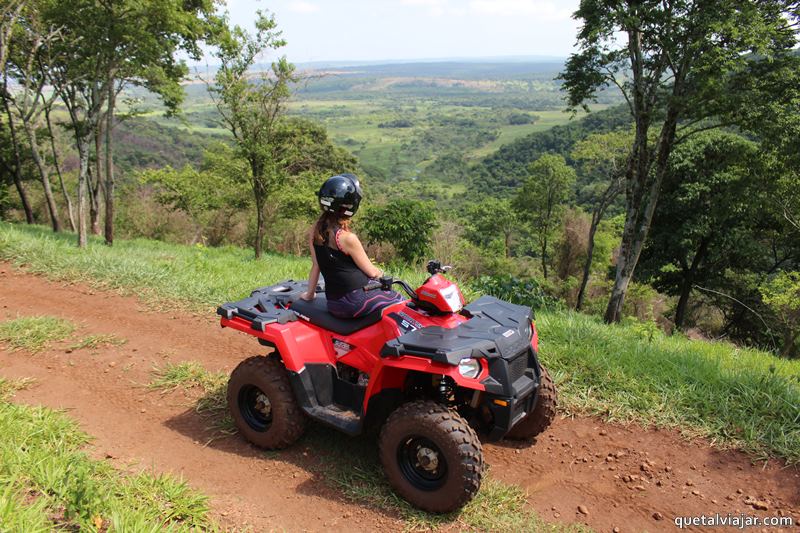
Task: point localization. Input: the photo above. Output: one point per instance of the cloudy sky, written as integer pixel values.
(328, 30)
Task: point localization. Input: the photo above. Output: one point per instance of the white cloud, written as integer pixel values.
(543, 9)
(301, 6)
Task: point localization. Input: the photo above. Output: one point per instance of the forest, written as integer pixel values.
(660, 188)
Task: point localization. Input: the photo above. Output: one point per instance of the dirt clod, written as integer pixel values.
(583, 510)
(658, 516)
(759, 505)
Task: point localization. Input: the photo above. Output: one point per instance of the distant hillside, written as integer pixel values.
(144, 143)
(506, 168)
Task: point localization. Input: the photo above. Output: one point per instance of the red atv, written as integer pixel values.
(431, 370)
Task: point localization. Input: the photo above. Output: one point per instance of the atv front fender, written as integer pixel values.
(391, 373)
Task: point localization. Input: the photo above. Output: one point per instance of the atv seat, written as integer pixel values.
(316, 312)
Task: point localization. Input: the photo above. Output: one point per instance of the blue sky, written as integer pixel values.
(329, 30)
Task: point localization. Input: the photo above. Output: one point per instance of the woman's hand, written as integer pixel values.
(308, 296)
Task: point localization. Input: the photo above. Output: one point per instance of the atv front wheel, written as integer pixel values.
(262, 404)
(431, 456)
(542, 415)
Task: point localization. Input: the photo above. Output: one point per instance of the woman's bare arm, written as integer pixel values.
(353, 247)
(313, 276)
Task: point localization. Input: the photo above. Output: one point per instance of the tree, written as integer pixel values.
(305, 157)
(12, 156)
(252, 105)
(602, 158)
(141, 42)
(407, 224)
(542, 198)
(29, 59)
(491, 221)
(782, 295)
(107, 45)
(203, 194)
(710, 218)
(681, 66)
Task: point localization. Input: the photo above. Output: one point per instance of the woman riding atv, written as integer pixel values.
(339, 256)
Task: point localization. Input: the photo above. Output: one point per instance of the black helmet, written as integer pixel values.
(340, 194)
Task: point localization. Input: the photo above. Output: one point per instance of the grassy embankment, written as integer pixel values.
(50, 484)
(735, 396)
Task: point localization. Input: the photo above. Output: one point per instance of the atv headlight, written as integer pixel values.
(469, 368)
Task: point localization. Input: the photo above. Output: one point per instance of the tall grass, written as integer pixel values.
(50, 484)
(737, 397)
(162, 274)
(34, 333)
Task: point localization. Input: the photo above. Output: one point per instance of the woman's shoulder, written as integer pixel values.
(345, 235)
(347, 240)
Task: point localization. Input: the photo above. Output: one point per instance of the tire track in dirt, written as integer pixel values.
(578, 462)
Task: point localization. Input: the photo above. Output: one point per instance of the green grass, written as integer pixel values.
(212, 387)
(186, 374)
(49, 483)
(735, 397)
(162, 275)
(34, 333)
(9, 386)
(93, 342)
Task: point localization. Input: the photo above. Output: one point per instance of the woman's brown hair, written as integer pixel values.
(327, 221)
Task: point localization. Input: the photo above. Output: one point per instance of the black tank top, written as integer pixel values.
(340, 272)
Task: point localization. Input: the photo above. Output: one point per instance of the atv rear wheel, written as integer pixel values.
(431, 456)
(542, 415)
(262, 404)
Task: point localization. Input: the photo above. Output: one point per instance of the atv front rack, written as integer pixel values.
(267, 305)
(495, 329)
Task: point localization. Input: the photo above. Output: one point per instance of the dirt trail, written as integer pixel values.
(578, 462)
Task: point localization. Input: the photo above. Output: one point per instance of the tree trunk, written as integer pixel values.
(23, 196)
(641, 202)
(83, 156)
(94, 185)
(688, 281)
(109, 188)
(544, 255)
(587, 265)
(20, 186)
(67, 198)
(260, 218)
(52, 209)
(789, 339)
(683, 300)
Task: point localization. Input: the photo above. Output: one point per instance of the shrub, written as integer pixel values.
(407, 224)
(528, 292)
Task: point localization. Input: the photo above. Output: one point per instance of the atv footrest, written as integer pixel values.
(338, 417)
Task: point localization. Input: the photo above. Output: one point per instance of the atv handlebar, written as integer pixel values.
(385, 283)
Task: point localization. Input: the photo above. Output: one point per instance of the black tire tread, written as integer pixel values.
(543, 414)
(438, 419)
(289, 422)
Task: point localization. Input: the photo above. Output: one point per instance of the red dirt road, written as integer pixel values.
(621, 476)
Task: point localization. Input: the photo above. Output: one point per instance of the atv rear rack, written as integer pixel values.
(267, 305)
